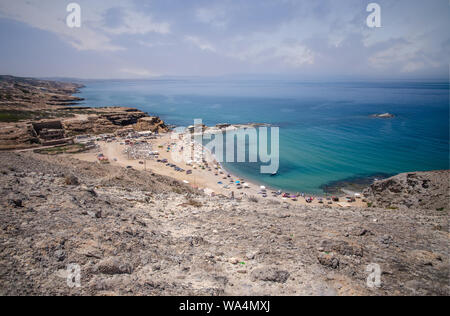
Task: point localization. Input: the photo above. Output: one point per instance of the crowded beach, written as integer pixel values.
(154, 152)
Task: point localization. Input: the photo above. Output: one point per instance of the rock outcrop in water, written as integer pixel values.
(383, 115)
(136, 233)
(425, 190)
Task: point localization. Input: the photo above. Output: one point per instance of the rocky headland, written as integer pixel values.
(30, 106)
(29, 94)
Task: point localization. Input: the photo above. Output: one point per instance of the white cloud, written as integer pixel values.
(295, 55)
(215, 17)
(262, 48)
(155, 44)
(413, 66)
(248, 37)
(202, 44)
(50, 15)
(405, 55)
(138, 72)
(137, 23)
(393, 54)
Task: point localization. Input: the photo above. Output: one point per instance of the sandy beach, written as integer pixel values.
(229, 157)
(203, 177)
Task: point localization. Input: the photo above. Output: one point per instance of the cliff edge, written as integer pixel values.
(424, 190)
(35, 113)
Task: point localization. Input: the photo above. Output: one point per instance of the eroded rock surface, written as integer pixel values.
(26, 103)
(132, 233)
(426, 190)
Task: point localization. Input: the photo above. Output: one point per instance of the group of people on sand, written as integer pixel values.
(228, 182)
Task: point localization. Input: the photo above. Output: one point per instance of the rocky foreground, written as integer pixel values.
(136, 233)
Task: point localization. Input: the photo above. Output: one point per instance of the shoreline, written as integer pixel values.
(211, 178)
(70, 120)
(348, 188)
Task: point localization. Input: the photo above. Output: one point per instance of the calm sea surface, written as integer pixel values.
(326, 132)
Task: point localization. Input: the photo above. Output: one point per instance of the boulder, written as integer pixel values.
(328, 260)
(152, 123)
(114, 265)
(270, 274)
(71, 180)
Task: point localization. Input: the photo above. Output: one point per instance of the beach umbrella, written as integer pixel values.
(262, 187)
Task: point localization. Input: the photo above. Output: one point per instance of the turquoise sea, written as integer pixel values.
(326, 132)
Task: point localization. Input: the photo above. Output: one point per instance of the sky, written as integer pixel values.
(124, 39)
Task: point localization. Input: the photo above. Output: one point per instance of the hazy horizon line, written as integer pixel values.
(239, 76)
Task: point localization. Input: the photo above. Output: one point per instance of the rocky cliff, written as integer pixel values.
(110, 121)
(425, 190)
(34, 94)
(25, 102)
(93, 121)
(152, 123)
(18, 136)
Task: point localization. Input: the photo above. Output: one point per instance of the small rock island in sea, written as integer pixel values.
(383, 115)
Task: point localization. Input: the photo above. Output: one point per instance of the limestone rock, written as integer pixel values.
(114, 266)
(426, 190)
(270, 274)
(152, 123)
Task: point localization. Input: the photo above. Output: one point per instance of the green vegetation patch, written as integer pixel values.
(66, 149)
(14, 116)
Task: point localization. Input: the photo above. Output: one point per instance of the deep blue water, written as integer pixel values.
(326, 132)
